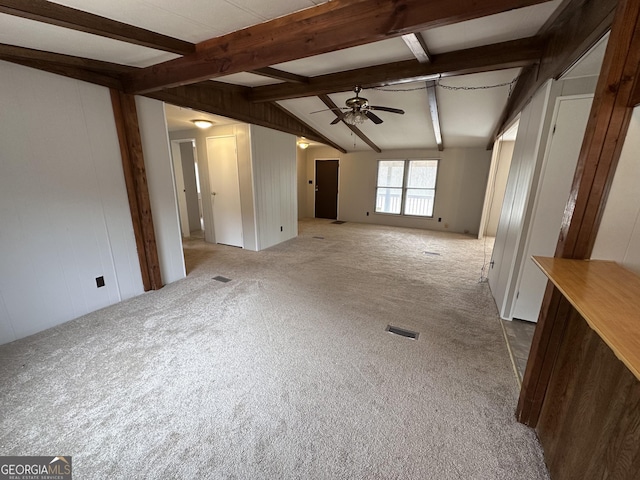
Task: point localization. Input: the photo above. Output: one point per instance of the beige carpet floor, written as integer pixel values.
(284, 372)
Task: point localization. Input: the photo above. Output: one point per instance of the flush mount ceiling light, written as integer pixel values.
(303, 144)
(202, 123)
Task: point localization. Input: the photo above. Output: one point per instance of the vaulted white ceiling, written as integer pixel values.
(190, 20)
(468, 111)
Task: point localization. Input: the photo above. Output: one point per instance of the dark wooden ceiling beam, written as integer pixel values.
(433, 110)
(574, 30)
(515, 53)
(231, 103)
(280, 75)
(11, 51)
(67, 17)
(318, 136)
(418, 46)
(324, 28)
(78, 73)
(334, 108)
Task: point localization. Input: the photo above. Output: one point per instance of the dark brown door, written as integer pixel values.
(327, 189)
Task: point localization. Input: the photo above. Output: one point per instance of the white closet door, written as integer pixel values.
(570, 122)
(225, 190)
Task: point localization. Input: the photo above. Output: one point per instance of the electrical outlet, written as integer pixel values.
(100, 282)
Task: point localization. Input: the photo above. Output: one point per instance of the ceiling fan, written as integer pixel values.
(358, 110)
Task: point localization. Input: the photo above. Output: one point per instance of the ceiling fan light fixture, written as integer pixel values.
(202, 123)
(355, 118)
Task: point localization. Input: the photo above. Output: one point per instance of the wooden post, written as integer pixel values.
(601, 147)
(126, 117)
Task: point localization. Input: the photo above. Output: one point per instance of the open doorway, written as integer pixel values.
(497, 181)
(185, 166)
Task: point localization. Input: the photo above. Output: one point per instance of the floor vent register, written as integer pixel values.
(402, 332)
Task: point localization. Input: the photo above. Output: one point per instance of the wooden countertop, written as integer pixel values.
(608, 298)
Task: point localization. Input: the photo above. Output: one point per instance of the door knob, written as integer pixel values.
(213, 193)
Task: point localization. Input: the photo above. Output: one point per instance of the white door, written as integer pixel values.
(570, 122)
(225, 190)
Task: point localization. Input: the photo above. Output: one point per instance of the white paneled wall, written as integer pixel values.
(619, 234)
(64, 214)
(524, 170)
(275, 185)
(64, 211)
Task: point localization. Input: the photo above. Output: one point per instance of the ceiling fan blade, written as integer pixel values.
(387, 109)
(327, 109)
(373, 117)
(338, 118)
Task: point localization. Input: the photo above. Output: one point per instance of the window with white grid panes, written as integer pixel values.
(406, 187)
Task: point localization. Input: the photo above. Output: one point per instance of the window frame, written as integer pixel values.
(404, 189)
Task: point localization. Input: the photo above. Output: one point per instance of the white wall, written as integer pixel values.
(462, 175)
(162, 189)
(275, 185)
(619, 233)
(301, 167)
(312, 154)
(518, 200)
(64, 213)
